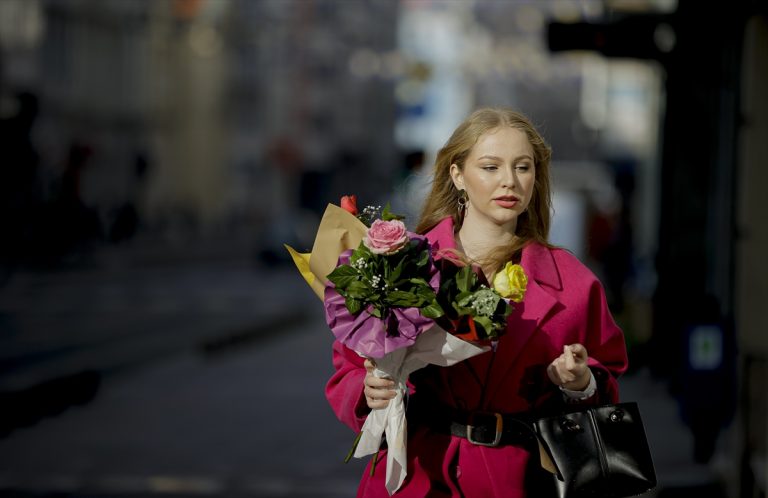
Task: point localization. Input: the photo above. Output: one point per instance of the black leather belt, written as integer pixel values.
(481, 428)
(493, 429)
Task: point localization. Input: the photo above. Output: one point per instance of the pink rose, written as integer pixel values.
(386, 237)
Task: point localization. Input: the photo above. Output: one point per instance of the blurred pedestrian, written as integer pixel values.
(490, 202)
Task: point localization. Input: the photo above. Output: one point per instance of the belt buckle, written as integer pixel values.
(497, 437)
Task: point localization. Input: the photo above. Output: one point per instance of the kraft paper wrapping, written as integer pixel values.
(339, 230)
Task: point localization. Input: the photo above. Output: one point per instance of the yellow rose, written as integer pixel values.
(510, 282)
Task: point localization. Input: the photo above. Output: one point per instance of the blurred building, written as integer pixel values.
(207, 115)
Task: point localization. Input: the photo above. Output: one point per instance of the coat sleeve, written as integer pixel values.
(344, 390)
(605, 345)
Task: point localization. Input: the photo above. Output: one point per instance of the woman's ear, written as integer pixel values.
(457, 176)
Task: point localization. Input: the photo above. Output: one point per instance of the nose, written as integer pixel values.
(509, 177)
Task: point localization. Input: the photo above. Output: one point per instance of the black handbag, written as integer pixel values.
(598, 451)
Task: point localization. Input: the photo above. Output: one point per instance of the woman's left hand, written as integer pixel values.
(570, 370)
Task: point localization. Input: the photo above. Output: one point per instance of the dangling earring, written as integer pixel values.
(462, 202)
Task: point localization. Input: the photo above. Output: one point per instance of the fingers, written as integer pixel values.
(570, 363)
(570, 369)
(370, 365)
(378, 382)
(378, 398)
(559, 373)
(378, 391)
(579, 352)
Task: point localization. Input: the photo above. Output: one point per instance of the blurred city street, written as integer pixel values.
(223, 396)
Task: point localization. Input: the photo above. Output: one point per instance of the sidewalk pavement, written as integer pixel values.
(246, 422)
(63, 332)
(132, 305)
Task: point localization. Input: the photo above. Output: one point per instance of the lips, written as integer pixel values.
(507, 201)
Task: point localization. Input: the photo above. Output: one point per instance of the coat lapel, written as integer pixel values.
(529, 315)
(441, 237)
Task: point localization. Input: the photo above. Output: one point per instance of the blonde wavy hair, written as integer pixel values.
(442, 201)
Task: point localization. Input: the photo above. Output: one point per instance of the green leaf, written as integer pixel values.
(424, 291)
(418, 281)
(506, 309)
(396, 272)
(485, 323)
(433, 311)
(462, 311)
(353, 305)
(464, 299)
(465, 279)
(362, 252)
(358, 290)
(388, 215)
(403, 299)
(423, 258)
(342, 276)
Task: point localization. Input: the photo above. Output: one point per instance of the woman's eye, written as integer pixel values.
(490, 167)
(523, 167)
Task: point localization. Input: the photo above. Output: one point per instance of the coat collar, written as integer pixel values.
(539, 264)
(441, 236)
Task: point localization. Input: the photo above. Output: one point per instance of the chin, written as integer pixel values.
(505, 220)
(507, 217)
(498, 217)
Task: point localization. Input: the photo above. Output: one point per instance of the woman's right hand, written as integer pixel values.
(378, 391)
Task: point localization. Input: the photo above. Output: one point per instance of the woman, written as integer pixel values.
(490, 201)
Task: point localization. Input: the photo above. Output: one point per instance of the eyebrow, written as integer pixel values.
(497, 158)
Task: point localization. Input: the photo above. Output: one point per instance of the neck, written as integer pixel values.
(477, 238)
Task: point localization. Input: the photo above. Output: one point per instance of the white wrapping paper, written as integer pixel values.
(435, 347)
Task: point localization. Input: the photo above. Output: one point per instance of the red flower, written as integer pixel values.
(349, 203)
(464, 329)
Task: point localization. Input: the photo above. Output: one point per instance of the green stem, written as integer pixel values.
(373, 462)
(354, 447)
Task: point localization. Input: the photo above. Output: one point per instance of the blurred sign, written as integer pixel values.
(705, 347)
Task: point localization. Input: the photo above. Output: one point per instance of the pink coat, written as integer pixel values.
(564, 304)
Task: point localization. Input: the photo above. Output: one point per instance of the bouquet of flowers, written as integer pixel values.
(383, 293)
(386, 298)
